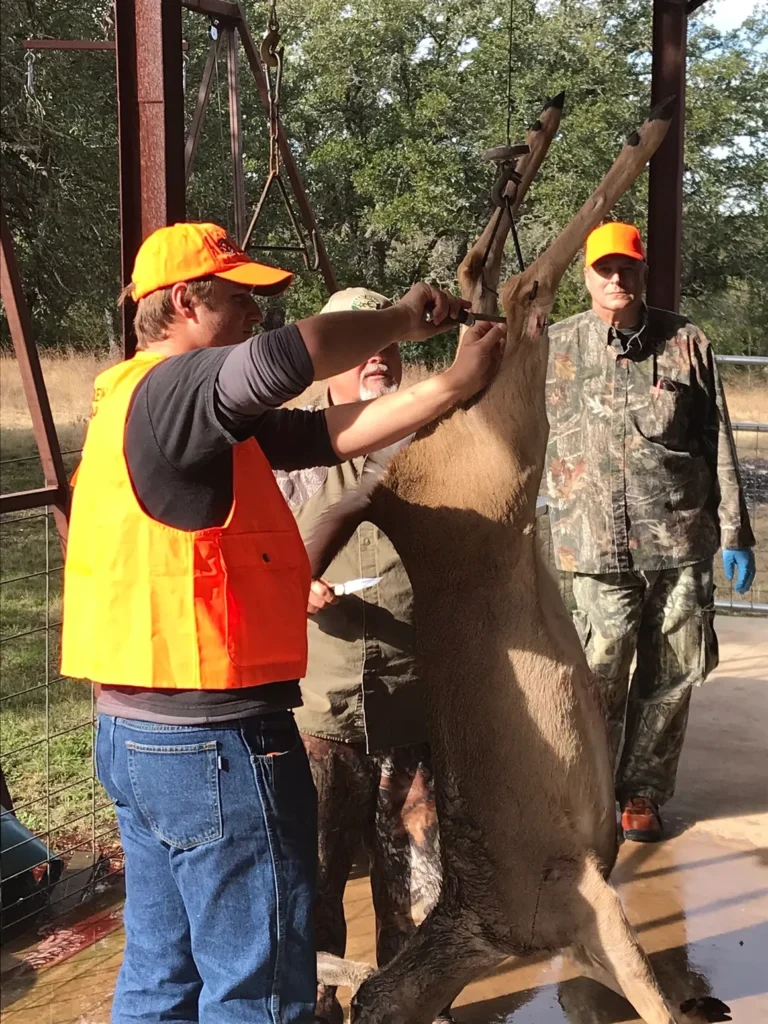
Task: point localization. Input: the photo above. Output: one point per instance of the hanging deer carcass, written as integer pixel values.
(523, 776)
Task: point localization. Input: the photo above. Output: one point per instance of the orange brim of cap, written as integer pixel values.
(263, 279)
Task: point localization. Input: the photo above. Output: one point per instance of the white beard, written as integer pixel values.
(381, 389)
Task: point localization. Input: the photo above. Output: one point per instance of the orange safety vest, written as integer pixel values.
(149, 605)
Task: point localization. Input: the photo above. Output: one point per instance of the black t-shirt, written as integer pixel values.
(184, 418)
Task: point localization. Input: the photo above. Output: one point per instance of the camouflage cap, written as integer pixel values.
(355, 298)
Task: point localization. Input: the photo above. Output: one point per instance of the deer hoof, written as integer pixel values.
(706, 1010)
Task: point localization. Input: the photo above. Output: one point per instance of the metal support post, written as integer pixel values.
(150, 103)
(665, 187)
(56, 490)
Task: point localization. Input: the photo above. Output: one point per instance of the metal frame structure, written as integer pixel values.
(155, 160)
(55, 493)
(665, 185)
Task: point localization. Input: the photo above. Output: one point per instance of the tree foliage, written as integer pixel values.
(388, 106)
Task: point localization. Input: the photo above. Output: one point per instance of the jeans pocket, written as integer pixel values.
(276, 750)
(177, 790)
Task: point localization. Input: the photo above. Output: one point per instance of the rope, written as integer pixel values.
(509, 71)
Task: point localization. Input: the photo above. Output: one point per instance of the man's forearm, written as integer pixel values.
(338, 341)
(363, 427)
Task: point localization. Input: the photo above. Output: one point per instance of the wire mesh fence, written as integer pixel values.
(60, 843)
(57, 830)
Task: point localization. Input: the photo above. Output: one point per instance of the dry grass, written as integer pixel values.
(69, 380)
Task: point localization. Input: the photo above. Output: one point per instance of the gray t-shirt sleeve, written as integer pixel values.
(261, 374)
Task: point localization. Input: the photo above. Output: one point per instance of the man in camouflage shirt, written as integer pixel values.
(644, 486)
(363, 718)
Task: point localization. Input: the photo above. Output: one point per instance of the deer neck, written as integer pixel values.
(491, 454)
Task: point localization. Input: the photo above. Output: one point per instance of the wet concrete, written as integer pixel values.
(699, 900)
(701, 909)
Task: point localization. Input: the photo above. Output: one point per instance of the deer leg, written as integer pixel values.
(444, 955)
(610, 953)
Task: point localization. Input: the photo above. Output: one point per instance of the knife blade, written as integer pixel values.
(469, 319)
(353, 586)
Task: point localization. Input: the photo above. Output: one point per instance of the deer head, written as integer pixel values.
(489, 456)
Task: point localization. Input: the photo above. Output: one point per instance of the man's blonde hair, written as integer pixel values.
(154, 313)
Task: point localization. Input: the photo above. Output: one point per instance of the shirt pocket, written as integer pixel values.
(665, 417)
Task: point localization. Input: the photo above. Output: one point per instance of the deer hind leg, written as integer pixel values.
(443, 956)
(610, 953)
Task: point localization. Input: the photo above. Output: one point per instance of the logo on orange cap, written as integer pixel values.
(613, 239)
(184, 252)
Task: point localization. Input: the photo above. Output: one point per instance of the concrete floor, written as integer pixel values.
(699, 900)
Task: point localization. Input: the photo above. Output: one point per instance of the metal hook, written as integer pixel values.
(29, 80)
(271, 40)
(269, 45)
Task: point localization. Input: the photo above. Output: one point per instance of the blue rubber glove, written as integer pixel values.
(743, 560)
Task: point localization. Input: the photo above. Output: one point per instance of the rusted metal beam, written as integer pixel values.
(37, 497)
(693, 5)
(150, 102)
(214, 8)
(235, 131)
(56, 490)
(201, 106)
(297, 185)
(665, 187)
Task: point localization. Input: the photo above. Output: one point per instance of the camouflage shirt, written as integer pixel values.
(641, 471)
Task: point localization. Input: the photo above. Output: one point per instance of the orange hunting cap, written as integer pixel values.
(184, 252)
(613, 239)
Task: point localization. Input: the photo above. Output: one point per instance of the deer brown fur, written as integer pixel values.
(523, 776)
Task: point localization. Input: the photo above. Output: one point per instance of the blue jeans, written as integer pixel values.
(219, 829)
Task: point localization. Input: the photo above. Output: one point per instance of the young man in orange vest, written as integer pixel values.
(185, 599)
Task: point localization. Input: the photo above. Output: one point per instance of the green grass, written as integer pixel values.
(46, 722)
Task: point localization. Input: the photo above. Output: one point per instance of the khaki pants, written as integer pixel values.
(665, 618)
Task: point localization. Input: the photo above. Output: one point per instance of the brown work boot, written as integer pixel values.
(640, 820)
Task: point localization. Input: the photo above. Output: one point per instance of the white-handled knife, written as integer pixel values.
(353, 586)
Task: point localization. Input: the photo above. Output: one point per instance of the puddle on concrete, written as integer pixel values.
(700, 907)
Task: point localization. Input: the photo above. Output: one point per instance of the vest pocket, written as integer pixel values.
(266, 594)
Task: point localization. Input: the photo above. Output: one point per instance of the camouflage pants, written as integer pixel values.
(383, 803)
(664, 618)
